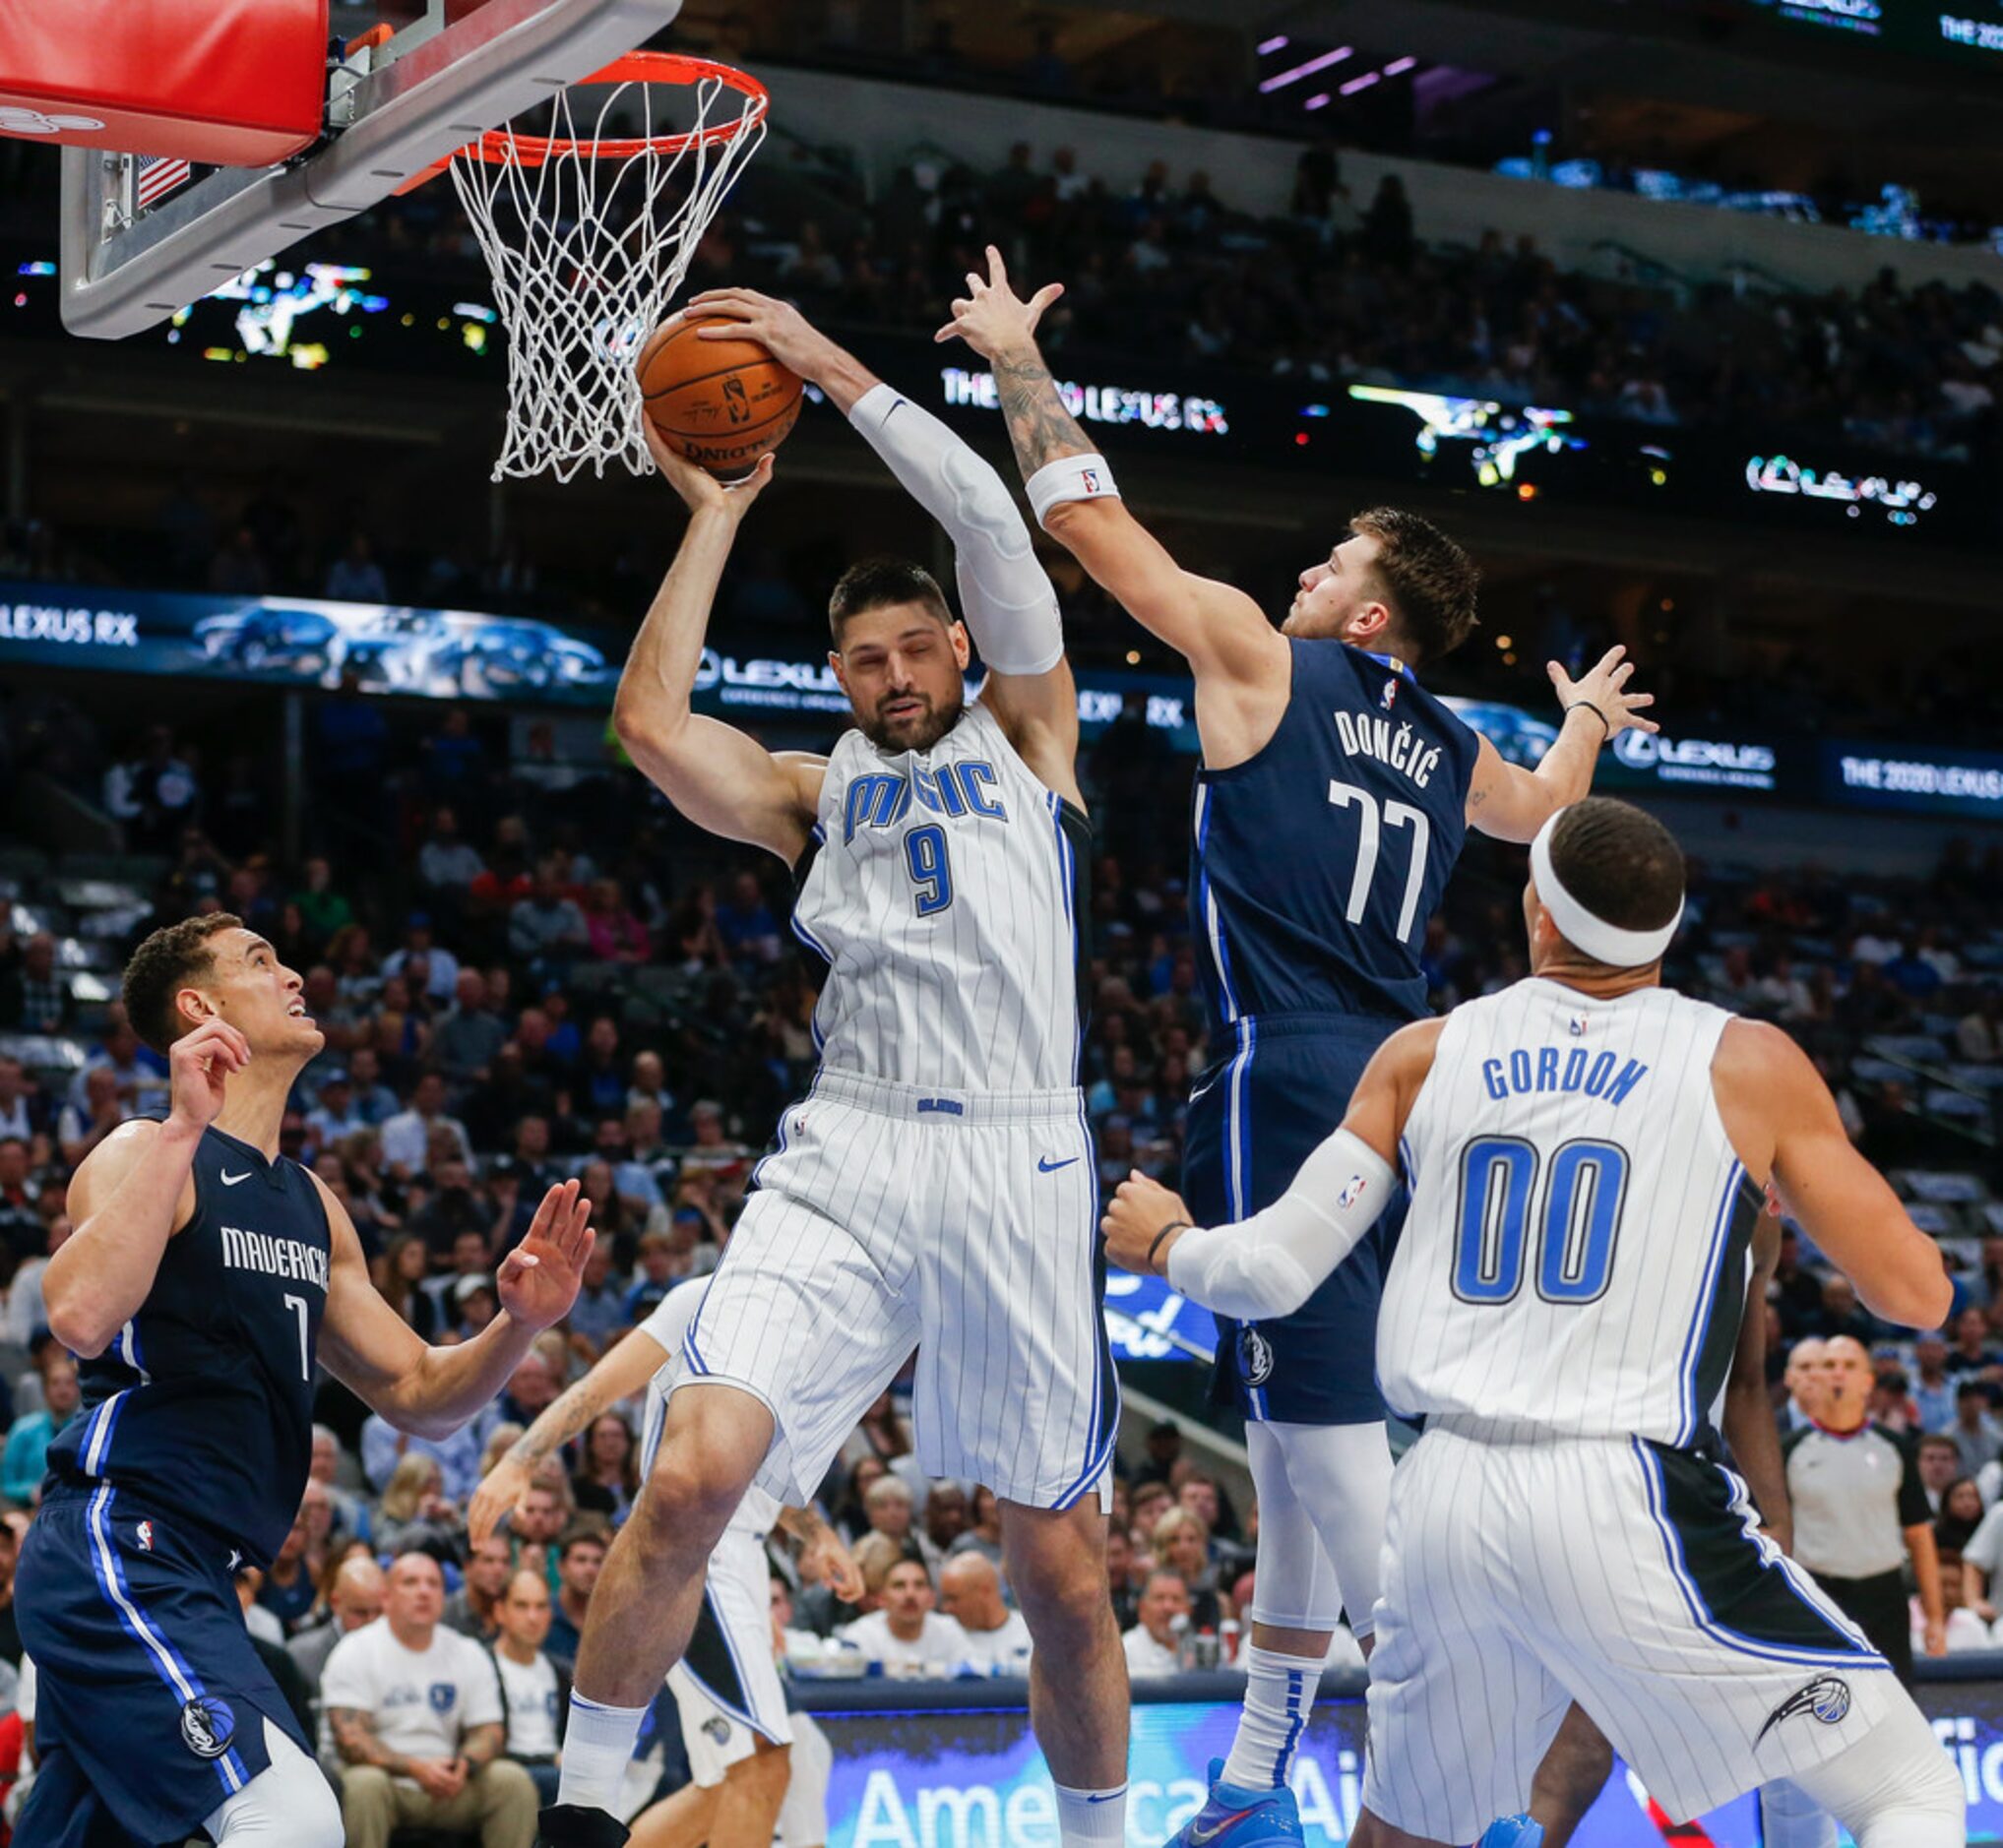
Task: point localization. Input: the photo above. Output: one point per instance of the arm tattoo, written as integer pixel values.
(483, 1745)
(1039, 426)
(802, 1525)
(355, 1732)
(562, 1421)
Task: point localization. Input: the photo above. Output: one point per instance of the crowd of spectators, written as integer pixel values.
(1351, 289)
(1340, 288)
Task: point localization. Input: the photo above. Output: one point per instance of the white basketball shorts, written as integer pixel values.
(1519, 1577)
(727, 1685)
(964, 1224)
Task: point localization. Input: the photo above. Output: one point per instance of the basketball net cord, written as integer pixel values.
(587, 252)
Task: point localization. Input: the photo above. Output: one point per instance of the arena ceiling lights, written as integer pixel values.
(1285, 63)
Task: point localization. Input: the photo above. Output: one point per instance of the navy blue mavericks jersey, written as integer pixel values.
(1318, 862)
(203, 1406)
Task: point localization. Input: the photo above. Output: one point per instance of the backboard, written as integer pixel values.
(399, 101)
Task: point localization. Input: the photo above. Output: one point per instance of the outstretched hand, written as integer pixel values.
(991, 318)
(501, 1493)
(825, 1560)
(1605, 689)
(539, 1280)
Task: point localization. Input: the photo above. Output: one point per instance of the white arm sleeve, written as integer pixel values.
(1011, 609)
(1269, 1263)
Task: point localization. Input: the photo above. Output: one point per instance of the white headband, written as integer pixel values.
(1603, 942)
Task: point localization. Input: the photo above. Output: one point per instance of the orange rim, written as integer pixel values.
(503, 148)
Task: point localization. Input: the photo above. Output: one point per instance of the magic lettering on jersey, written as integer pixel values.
(1365, 734)
(274, 1257)
(882, 798)
(1558, 1069)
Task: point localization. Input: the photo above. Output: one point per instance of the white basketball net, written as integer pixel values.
(586, 250)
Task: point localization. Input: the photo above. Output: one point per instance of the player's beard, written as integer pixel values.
(914, 734)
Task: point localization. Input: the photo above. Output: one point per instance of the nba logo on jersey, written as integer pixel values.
(1389, 697)
(1351, 1194)
(145, 1534)
(1577, 1026)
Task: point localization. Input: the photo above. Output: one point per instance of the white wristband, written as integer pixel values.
(1069, 478)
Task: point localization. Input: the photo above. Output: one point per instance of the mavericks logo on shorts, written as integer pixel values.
(1255, 1357)
(207, 1725)
(1827, 1697)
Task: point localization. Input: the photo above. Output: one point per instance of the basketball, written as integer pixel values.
(722, 404)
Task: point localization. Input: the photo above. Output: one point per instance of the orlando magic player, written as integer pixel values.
(936, 1188)
(1561, 1309)
(733, 1714)
(205, 1276)
(1332, 805)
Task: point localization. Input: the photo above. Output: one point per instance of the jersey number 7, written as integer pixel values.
(1372, 822)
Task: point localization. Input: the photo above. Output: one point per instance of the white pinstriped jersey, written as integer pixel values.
(943, 896)
(1576, 1255)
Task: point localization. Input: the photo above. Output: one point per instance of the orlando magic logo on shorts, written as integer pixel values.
(717, 1728)
(1827, 1697)
(207, 1725)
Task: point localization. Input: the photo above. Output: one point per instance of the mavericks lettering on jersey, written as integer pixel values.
(274, 1257)
(1363, 734)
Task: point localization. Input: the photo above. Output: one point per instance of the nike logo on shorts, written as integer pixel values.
(230, 1180)
(1047, 1166)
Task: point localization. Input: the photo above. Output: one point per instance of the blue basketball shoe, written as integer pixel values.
(1241, 1818)
(1514, 1831)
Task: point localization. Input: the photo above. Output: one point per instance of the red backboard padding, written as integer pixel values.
(228, 83)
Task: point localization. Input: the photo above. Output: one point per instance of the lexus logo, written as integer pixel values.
(1640, 750)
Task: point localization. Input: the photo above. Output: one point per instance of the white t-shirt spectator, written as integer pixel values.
(1965, 1630)
(449, 863)
(1003, 1651)
(1146, 1656)
(265, 1626)
(1985, 1545)
(406, 1139)
(443, 981)
(531, 1696)
(941, 1645)
(422, 1703)
(25, 1310)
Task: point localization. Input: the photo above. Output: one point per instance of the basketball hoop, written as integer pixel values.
(588, 237)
